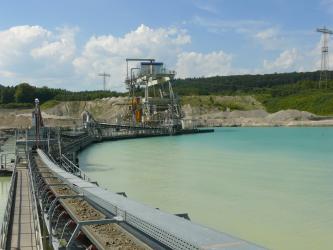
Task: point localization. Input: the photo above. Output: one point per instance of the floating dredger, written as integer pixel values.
(152, 100)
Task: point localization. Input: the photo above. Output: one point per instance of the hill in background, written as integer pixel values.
(272, 92)
(275, 91)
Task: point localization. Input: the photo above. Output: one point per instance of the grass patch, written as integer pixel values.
(49, 104)
(222, 103)
(319, 102)
(15, 105)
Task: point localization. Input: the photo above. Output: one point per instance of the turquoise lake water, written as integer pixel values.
(4, 189)
(272, 186)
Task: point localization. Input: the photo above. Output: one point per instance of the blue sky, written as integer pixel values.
(67, 43)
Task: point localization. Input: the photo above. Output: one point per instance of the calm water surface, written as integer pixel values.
(4, 189)
(272, 186)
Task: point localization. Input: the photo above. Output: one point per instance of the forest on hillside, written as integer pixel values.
(22, 95)
(229, 85)
(275, 91)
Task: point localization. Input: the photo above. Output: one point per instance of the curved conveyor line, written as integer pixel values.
(173, 231)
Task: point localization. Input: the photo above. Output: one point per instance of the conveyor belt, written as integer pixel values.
(75, 212)
(168, 230)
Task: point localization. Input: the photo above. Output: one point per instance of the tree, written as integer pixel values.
(24, 93)
(7, 95)
(45, 94)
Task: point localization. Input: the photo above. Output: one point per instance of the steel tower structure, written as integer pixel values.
(159, 107)
(324, 68)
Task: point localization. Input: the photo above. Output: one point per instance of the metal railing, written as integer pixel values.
(69, 166)
(160, 234)
(80, 142)
(8, 211)
(35, 215)
(4, 160)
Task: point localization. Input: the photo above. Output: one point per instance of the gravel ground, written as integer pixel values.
(63, 190)
(83, 210)
(114, 237)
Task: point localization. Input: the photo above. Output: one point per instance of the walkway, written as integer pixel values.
(21, 233)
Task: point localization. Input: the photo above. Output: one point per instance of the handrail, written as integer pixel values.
(69, 166)
(7, 215)
(80, 141)
(35, 215)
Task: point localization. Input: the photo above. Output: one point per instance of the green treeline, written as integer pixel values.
(230, 85)
(23, 95)
(275, 91)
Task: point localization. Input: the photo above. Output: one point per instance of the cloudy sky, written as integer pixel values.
(66, 43)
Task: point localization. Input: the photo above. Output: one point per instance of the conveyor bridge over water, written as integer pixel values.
(53, 203)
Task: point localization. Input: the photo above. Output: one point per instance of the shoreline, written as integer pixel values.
(261, 118)
(267, 126)
(193, 117)
(238, 125)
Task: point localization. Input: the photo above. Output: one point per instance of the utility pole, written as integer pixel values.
(104, 75)
(324, 67)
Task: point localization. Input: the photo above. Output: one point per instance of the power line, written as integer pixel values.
(104, 75)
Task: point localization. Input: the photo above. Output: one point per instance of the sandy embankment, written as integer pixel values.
(257, 118)
(111, 109)
(22, 119)
(66, 113)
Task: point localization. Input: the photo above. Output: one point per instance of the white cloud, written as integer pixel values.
(16, 42)
(61, 49)
(36, 55)
(52, 57)
(45, 57)
(108, 53)
(260, 32)
(267, 34)
(6, 74)
(193, 64)
(286, 61)
(272, 39)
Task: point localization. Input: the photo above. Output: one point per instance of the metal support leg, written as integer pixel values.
(53, 203)
(60, 215)
(66, 225)
(50, 224)
(54, 210)
(74, 235)
(48, 201)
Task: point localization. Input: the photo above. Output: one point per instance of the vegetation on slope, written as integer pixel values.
(222, 103)
(274, 91)
(303, 95)
(23, 95)
(231, 85)
(319, 102)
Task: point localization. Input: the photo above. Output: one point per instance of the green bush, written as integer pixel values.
(17, 105)
(319, 102)
(49, 104)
